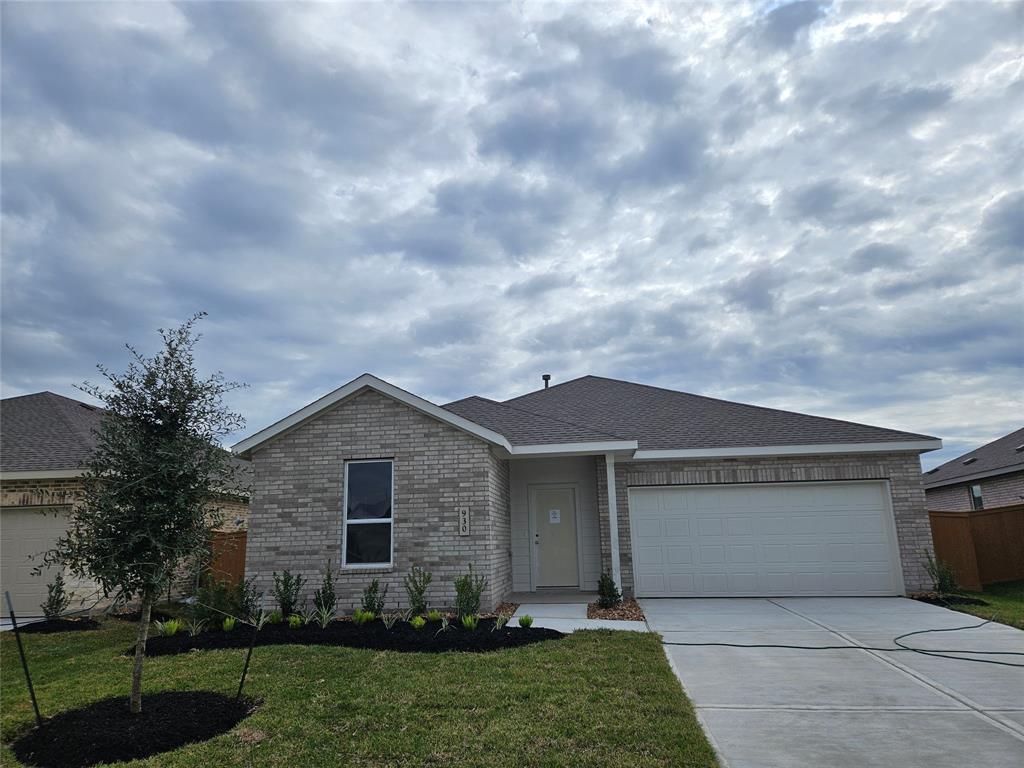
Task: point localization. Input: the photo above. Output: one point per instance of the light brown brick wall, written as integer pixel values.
(902, 470)
(296, 513)
(998, 491)
(39, 493)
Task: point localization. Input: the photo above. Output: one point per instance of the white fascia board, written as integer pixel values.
(787, 450)
(573, 449)
(42, 474)
(968, 478)
(368, 381)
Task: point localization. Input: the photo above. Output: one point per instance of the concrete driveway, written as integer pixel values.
(775, 708)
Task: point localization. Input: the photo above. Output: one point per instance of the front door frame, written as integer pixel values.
(531, 531)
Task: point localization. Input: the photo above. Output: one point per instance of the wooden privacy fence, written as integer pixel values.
(227, 562)
(981, 547)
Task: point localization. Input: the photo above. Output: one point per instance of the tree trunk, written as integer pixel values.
(140, 653)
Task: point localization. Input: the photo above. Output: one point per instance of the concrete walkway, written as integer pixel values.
(568, 617)
(785, 708)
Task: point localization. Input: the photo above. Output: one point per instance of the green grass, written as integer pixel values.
(595, 698)
(1005, 603)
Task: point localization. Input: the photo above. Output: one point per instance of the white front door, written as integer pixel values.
(829, 538)
(554, 537)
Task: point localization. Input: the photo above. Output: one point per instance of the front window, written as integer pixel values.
(367, 538)
(976, 501)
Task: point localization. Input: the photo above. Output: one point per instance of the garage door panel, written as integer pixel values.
(814, 539)
(25, 534)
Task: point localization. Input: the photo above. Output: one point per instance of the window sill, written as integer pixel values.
(368, 568)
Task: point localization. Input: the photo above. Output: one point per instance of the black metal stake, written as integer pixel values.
(245, 669)
(24, 663)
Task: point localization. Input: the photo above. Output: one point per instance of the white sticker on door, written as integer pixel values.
(554, 515)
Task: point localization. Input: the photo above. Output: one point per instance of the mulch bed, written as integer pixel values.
(58, 625)
(374, 635)
(933, 599)
(106, 731)
(627, 610)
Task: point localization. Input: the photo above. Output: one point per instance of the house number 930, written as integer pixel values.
(463, 521)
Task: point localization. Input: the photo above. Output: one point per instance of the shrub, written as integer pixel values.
(360, 617)
(608, 595)
(470, 621)
(286, 591)
(324, 599)
(434, 615)
(418, 622)
(274, 617)
(390, 619)
(57, 598)
(500, 621)
(468, 589)
(416, 583)
(373, 597)
(168, 628)
(295, 621)
(195, 626)
(214, 599)
(324, 616)
(247, 600)
(444, 626)
(526, 621)
(942, 576)
(228, 624)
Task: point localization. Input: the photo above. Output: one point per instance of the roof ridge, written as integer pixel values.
(553, 386)
(735, 402)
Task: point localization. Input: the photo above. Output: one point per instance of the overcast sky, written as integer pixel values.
(808, 206)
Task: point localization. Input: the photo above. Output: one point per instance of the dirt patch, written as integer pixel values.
(505, 609)
(374, 635)
(933, 599)
(59, 625)
(627, 610)
(106, 731)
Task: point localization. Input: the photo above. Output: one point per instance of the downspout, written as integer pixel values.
(613, 519)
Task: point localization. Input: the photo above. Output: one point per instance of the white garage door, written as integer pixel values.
(25, 533)
(751, 540)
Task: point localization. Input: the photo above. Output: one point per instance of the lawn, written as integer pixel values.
(1005, 603)
(595, 698)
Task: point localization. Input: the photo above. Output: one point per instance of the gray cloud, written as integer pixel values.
(836, 204)
(1002, 228)
(780, 27)
(876, 256)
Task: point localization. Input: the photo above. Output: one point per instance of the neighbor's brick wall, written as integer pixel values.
(296, 515)
(998, 491)
(901, 469)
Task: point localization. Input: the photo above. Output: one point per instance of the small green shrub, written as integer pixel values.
(526, 621)
(416, 583)
(434, 615)
(390, 619)
(500, 621)
(57, 598)
(444, 626)
(168, 628)
(417, 622)
(195, 626)
(942, 576)
(468, 590)
(324, 616)
(360, 617)
(228, 625)
(470, 621)
(286, 590)
(274, 617)
(324, 599)
(295, 621)
(373, 597)
(608, 595)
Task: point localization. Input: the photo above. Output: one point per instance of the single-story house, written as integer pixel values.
(673, 494)
(44, 440)
(987, 477)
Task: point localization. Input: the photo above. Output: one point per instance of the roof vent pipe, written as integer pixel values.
(547, 378)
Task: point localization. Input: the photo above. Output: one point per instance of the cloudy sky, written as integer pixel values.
(811, 206)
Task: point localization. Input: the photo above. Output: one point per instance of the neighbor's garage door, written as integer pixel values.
(25, 533)
(750, 540)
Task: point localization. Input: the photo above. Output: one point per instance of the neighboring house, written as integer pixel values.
(673, 494)
(990, 476)
(44, 439)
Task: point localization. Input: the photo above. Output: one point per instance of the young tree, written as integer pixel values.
(149, 486)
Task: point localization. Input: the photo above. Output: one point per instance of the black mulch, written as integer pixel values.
(950, 600)
(106, 731)
(375, 636)
(59, 625)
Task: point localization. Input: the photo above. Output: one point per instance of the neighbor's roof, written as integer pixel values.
(996, 458)
(664, 419)
(53, 434)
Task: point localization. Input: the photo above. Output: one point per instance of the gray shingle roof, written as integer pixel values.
(522, 427)
(999, 455)
(50, 432)
(662, 419)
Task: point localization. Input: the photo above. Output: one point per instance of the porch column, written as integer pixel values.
(613, 519)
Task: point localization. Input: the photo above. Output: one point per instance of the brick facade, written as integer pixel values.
(296, 516)
(998, 491)
(902, 470)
